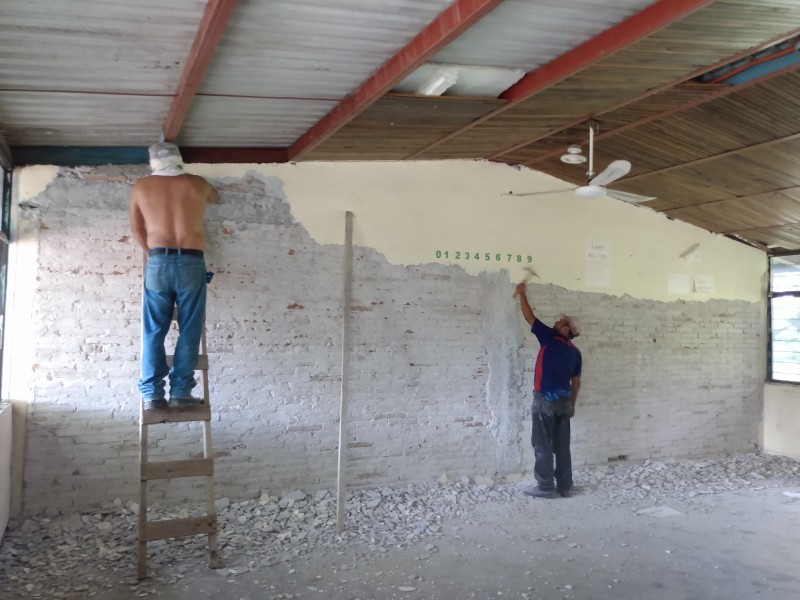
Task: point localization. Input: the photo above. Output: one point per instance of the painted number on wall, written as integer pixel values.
(484, 256)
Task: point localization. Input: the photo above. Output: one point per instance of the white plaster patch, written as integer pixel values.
(35, 179)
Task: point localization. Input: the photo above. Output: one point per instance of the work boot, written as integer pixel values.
(155, 404)
(566, 493)
(537, 492)
(184, 402)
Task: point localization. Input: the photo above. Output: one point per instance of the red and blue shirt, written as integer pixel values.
(557, 363)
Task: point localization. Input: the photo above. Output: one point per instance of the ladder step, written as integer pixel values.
(177, 415)
(202, 362)
(174, 528)
(195, 467)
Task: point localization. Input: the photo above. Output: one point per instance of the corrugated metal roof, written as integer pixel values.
(294, 55)
(526, 35)
(312, 48)
(221, 121)
(66, 67)
(309, 77)
(66, 119)
(93, 45)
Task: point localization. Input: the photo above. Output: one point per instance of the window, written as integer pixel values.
(784, 364)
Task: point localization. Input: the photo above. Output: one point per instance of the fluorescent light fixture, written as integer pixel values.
(436, 79)
(439, 83)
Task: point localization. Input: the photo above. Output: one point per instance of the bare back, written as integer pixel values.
(170, 211)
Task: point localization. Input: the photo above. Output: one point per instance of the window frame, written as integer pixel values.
(772, 295)
(5, 227)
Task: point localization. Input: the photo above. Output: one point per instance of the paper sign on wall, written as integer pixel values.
(679, 283)
(598, 264)
(705, 284)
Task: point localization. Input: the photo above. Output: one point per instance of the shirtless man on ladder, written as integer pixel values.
(167, 212)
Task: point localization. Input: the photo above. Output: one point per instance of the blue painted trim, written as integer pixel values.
(765, 68)
(71, 156)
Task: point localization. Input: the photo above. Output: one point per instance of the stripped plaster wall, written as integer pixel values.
(441, 358)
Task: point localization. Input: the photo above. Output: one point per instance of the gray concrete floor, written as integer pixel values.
(724, 529)
(733, 545)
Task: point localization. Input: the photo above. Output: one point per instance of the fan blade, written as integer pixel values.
(617, 169)
(627, 197)
(561, 191)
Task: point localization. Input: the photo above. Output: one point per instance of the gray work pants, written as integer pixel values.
(550, 438)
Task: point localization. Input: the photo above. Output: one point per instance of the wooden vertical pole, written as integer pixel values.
(341, 484)
(141, 563)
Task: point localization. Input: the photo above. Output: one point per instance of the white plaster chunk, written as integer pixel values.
(659, 511)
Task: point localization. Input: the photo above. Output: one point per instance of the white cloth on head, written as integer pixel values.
(169, 172)
(574, 324)
(166, 159)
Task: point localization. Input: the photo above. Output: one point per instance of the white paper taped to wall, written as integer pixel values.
(705, 284)
(598, 264)
(679, 283)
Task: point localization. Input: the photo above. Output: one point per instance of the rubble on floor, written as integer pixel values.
(79, 555)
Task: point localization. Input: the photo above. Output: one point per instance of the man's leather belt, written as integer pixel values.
(177, 251)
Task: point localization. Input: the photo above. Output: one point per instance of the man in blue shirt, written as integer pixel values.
(557, 380)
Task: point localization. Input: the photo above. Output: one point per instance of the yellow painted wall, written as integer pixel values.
(410, 210)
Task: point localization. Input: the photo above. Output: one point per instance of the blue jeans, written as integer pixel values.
(171, 280)
(550, 438)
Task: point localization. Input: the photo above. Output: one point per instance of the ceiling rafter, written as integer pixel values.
(651, 92)
(674, 110)
(447, 26)
(748, 242)
(670, 211)
(698, 161)
(215, 19)
(764, 228)
(648, 21)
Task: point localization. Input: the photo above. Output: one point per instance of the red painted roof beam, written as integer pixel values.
(446, 27)
(651, 92)
(200, 154)
(632, 29)
(212, 26)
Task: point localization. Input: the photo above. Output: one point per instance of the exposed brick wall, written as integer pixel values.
(440, 365)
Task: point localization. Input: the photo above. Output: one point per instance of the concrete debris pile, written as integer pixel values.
(686, 479)
(81, 554)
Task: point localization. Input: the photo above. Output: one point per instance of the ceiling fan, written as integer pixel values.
(596, 186)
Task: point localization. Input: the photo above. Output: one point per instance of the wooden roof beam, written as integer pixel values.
(212, 26)
(451, 23)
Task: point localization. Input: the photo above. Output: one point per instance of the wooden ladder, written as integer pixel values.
(197, 467)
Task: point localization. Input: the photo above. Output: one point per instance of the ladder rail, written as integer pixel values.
(141, 568)
(206, 524)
